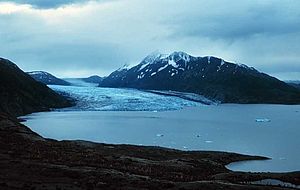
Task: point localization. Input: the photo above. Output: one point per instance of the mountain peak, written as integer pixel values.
(124, 67)
(47, 78)
(152, 57)
(177, 55)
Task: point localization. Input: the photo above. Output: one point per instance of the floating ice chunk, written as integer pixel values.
(209, 141)
(159, 135)
(185, 147)
(263, 120)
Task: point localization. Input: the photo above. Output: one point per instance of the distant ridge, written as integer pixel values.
(294, 83)
(209, 76)
(93, 79)
(47, 78)
(88, 81)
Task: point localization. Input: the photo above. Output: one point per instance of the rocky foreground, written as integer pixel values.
(29, 161)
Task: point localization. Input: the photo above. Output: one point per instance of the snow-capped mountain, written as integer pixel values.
(47, 78)
(210, 76)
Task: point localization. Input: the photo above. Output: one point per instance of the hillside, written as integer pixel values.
(20, 94)
(209, 76)
(47, 78)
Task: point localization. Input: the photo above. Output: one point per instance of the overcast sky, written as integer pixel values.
(79, 37)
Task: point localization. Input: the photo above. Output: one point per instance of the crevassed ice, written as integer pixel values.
(114, 99)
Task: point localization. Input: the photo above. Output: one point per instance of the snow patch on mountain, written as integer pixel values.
(38, 73)
(153, 73)
(126, 67)
(150, 59)
(208, 59)
(221, 64)
(173, 63)
(176, 56)
(162, 68)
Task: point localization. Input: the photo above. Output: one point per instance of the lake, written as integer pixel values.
(265, 130)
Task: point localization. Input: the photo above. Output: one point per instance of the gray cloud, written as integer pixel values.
(239, 21)
(96, 37)
(46, 3)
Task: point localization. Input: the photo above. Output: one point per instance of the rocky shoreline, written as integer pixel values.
(29, 161)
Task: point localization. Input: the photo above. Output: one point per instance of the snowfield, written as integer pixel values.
(115, 99)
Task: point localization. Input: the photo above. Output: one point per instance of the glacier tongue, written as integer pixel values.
(114, 99)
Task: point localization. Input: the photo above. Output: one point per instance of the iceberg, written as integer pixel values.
(263, 120)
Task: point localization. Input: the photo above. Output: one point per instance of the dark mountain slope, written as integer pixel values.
(208, 76)
(47, 78)
(20, 94)
(295, 84)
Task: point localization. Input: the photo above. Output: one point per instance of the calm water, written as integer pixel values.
(228, 127)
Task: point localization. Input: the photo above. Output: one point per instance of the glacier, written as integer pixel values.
(117, 99)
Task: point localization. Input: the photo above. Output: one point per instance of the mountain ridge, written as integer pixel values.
(47, 78)
(209, 76)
